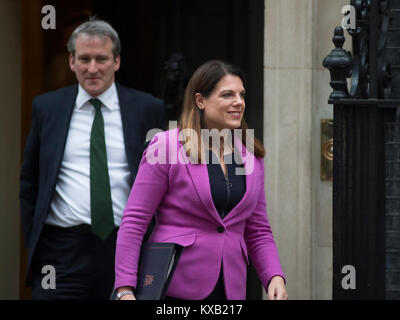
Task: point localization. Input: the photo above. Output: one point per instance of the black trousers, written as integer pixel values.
(83, 264)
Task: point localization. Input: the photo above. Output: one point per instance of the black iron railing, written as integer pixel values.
(366, 172)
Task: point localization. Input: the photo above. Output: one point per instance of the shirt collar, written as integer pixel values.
(108, 98)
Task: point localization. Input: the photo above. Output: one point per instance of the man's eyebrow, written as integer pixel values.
(85, 55)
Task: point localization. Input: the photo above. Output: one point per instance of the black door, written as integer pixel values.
(152, 31)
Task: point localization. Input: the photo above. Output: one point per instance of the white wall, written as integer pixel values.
(10, 141)
(298, 36)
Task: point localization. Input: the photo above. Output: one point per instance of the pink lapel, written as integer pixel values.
(249, 162)
(199, 176)
(200, 179)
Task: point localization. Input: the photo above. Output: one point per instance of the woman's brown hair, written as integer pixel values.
(204, 81)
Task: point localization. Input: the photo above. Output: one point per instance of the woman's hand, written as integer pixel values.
(277, 289)
(127, 296)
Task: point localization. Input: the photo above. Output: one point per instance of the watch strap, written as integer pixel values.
(123, 293)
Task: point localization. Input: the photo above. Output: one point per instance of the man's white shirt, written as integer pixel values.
(70, 205)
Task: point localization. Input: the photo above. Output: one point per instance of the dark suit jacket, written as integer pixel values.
(44, 150)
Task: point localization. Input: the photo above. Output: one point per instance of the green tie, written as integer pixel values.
(100, 191)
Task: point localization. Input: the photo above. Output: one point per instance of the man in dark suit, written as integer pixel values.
(81, 157)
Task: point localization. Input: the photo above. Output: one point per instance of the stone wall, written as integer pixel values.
(298, 35)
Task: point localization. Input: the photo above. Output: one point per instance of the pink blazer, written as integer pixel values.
(185, 214)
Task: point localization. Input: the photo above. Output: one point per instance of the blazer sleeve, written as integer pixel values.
(260, 240)
(29, 177)
(151, 184)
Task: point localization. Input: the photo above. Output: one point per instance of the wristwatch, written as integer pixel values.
(123, 293)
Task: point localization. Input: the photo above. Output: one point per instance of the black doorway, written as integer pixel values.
(151, 31)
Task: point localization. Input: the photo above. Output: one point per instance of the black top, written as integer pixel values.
(227, 191)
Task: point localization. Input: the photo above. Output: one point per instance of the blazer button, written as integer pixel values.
(220, 229)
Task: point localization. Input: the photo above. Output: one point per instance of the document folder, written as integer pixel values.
(156, 267)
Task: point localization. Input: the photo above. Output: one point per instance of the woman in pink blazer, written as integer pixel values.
(208, 197)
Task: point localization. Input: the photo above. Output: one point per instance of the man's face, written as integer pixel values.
(94, 63)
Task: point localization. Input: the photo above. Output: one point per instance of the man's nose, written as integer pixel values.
(92, 66)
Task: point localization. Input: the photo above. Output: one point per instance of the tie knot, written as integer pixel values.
(96, 103)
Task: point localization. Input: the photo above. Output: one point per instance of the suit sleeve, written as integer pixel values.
(260, 240)
(151, 184)
(162, 120)
(29, 177)
(154, 117)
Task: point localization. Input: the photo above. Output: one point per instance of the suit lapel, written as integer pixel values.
(248, 160)
(129, 127)
(200, 179)
(61, 118)
(201, 182)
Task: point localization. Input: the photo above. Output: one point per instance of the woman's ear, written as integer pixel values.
(199, 100)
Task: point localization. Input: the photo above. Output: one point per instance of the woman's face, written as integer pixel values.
(224, 107)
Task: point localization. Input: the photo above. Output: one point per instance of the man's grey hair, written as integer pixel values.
(95, 28)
